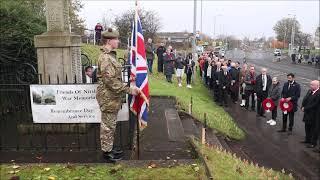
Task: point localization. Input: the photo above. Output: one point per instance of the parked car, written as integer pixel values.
(277, 52)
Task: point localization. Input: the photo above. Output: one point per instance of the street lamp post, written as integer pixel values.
(201, 22)
(214, 24)
(194, 28)
(292, 33)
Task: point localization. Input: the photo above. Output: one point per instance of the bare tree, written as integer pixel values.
(283, 29)
(149, 20)
(77, 23)
(303, 39)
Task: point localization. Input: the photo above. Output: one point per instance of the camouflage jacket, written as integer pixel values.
(111, 88)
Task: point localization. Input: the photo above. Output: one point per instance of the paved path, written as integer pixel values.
(158, 140)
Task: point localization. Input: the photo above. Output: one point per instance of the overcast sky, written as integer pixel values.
(239, 18)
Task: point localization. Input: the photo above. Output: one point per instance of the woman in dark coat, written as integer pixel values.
(189, 63)
(168, 62)
(274, 94)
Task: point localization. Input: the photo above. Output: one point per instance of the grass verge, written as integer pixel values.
(217, 118)
(98, 172)
(224, 165)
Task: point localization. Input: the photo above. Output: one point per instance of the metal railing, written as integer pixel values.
(19, 133)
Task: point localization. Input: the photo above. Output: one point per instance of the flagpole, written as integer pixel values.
(136, 48)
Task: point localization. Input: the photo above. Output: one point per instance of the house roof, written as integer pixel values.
(174, 34)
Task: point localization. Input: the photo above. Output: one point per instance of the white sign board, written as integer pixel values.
(65, 103)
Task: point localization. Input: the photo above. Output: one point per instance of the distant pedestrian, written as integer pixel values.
(290, 92)
(160, 51)
(179, 64)
(293, 58)
(189, 69)
(168, 62)
(98, 29)
(274, 94)
(150, 54)
(311, 108)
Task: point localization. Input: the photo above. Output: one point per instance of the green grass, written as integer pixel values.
(93, 52)
(99, 172)
(217, 118)
(224, 165)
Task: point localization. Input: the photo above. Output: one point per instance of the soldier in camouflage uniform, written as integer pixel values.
(110, 91)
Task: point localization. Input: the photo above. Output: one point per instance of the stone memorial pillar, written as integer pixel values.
(58, 50)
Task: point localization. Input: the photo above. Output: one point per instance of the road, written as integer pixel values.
(263, 144)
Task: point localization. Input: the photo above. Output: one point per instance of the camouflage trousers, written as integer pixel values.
(107, 130)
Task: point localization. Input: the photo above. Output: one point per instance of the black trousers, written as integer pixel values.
(160, 64)
(308, 131)
(274, 113)
(169, 78)
(216, 92)
(249, 93)
(260, 99)
(223, 96)
(206, 78)
(189, 78)
(285, 120)
(315, 132)
(234, 92)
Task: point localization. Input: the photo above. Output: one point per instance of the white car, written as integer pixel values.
(222, 52)
(277, 52)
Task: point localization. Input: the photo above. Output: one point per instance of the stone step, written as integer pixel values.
(190, 128)
(174, 125)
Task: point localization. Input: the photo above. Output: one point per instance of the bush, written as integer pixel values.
(20, 22)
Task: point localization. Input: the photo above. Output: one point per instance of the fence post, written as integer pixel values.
(190, 106)
(203, 134)
(58, 79)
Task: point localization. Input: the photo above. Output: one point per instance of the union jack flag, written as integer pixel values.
(139, 73)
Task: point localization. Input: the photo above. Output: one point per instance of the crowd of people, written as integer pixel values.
(227, 78)
(170, 62)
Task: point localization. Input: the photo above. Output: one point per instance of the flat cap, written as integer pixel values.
(110, 34)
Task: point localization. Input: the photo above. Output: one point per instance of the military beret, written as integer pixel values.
(110, 34)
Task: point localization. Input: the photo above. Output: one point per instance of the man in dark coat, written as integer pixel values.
(290, 92)
(263, 84)
(98, 29)
(215, 78)
(206, 65)
(234, 84)
(310, 107)
(168, 62)
(224, 80)
(160, 51)
(293, 58)
(88, 72)
(150, 54)
(250, 81)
